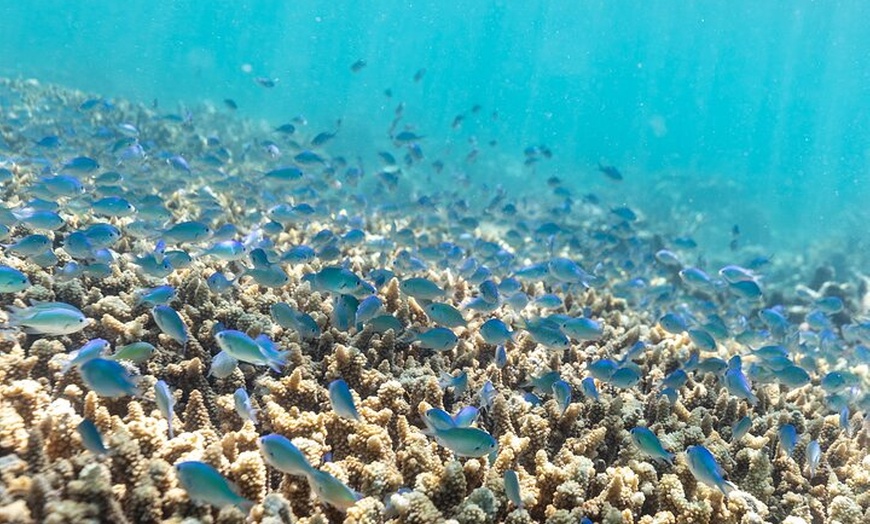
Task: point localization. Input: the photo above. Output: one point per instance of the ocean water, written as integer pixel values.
(385, 262)
(717, 113)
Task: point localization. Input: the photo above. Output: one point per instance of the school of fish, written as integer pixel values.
(263, 258)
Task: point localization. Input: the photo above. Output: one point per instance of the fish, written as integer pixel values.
(91, 438)
(288, 318)
(445, 315)
(205, 485)
(244, 408)
(48, 318)
(165, 403)
(587, 385)
(242, 347)
(108, 378)
(787, 438)
(170, 323)
(459, 383)
(222, 365)
(280, 453)
(649, 444)
(512, 488)
(12, 280)
(341, 400)
(704, 467)
(438, 339)
(358, 66)
(155, 296)
(331, 490)
(741, 428)
(137, 352)
(421, 288)
(736, 382)
(466, 442)
(610, 172)
(89, 351)
(29, 246)
(814, 455)
(562, 394)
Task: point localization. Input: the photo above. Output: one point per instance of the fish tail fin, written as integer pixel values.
(727, 487)
(278, 361)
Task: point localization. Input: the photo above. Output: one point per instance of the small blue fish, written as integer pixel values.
(582, 328)
(205, 485)
(170, 324)
(113, 206)
(438, 339)
(675, 379)
(137, 352)
(368, 308)
(512, 488)
(602, 369)
(242, 347)
(562, 394)
(445, 315)
(155, 296)
(165, 403)
(487, 395)
(421, 288)
(588, 387)
(107, 378)
(436, 419)
(91, 350)
(459, 383)
(244, 408)
(787, 438)
(81, 164)
(218, 283)
(814, 455)
(737, 383)
(707, 470)
(12, 280)
(494, 331)
(339, 280)
(331, 490)
(48, 318)
(91, 438)
(500, 357)
(740, 428)
(341, 400)
(466, 417)
(288, 318)
(29, 246)
(466, 442)
(543, 384)
(625, 377)
(222, 365)
(283, 455)
(703, 340)
(187, 232)
(673, 323)
(649, 444)
(548, 334)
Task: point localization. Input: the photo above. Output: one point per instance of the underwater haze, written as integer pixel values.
(748, 113)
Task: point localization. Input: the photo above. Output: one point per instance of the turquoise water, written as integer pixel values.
(717, 113)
